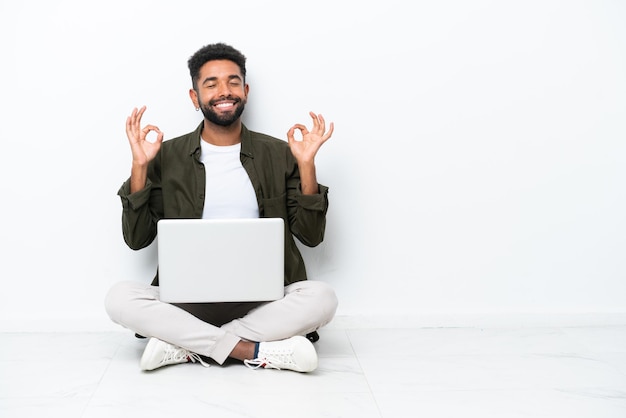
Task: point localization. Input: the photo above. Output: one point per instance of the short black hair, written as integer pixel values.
(211, 52)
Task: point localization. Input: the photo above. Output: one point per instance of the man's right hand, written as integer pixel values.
(143, 150)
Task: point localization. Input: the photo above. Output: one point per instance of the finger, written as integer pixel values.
(132, 126)
(147, 129)
(328, 134)
(290, 132)
(132, 115)
(302, 128)
(131, 123)
(159, 138)
(139, 115)
(129, 127)
(322, 123)
(316, 122)
(141, 111)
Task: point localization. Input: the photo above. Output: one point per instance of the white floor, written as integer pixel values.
(421, 372)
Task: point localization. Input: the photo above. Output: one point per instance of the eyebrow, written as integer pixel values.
(230, 77)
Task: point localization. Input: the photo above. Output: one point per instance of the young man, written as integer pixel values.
(223, 170)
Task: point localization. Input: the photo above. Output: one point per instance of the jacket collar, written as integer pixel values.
(246, 141)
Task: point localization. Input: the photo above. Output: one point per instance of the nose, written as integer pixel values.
(223, 89)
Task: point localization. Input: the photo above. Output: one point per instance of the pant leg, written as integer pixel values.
(136, 306)
(307, 306)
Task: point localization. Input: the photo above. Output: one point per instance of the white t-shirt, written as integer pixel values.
(229, 192)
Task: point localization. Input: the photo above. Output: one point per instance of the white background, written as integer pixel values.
(477, 165)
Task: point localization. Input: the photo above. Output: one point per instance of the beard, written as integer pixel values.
(224, 119)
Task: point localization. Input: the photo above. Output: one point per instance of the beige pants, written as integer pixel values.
(307, 306)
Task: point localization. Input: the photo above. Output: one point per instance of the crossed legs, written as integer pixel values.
(307, 306)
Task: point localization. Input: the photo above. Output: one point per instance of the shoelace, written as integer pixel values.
(195, 357)
(179, 355)
(281, 357)
(260, 363)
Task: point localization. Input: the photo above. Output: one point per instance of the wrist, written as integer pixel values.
(139, 165)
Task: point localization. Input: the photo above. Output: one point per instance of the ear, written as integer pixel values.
(194, 98)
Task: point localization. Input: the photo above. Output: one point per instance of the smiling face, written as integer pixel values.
(220, 92)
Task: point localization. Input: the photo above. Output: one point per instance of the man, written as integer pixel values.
(224, 170)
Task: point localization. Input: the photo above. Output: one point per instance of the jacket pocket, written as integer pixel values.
(275, 207)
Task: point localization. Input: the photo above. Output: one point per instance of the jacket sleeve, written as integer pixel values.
(141, 211)
(307, 213)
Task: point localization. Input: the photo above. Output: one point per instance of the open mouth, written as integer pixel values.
(225, 104)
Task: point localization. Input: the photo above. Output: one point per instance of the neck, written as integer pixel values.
(221, 135)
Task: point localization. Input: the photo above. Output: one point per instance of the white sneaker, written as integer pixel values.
(159, 353)
(295, 353)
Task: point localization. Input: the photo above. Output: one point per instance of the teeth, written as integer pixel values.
(224, 105)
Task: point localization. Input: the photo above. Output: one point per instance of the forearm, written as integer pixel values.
(138, 177)
(308, 179)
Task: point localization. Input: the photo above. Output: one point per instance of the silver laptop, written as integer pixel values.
(220, 260)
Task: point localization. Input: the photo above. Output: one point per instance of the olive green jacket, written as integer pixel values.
(176, 187)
